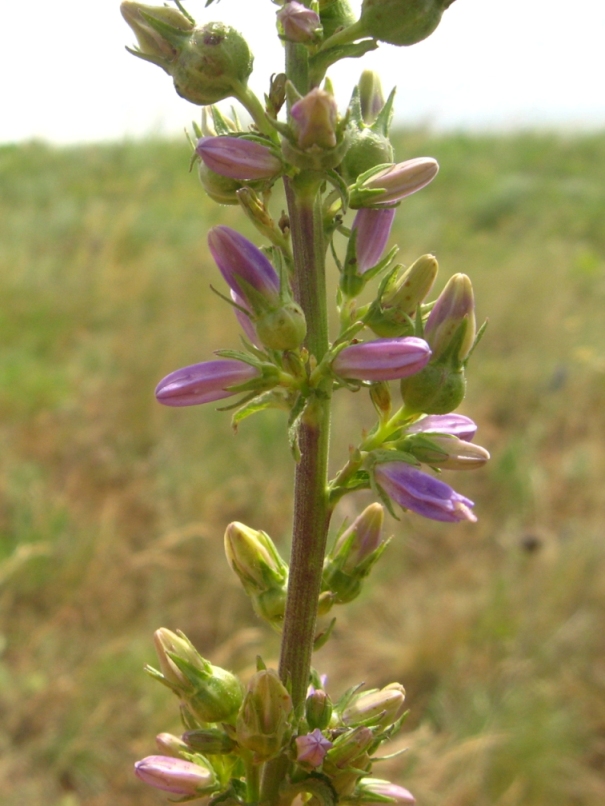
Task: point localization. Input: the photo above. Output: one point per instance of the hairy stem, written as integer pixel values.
(311, 513)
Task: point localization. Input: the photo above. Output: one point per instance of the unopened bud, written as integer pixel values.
(390, 185)
(393, 313)
(373, 228)
(170, 745)
(282, 328)
(314, 120)
(382, 359)
(354, 553)
(446, 451)
(299, 23)
(207, 63)
(318, 709)
(334, 15)
(366, 150)
(263, 723)
(453, 312)
(401, 22)
(239, 158)
(254, 558)
(376, 708)
(370, 96)
(212, 693)
(221, 189)
(176, 775)
(208, 741)
(375, 790)
(436, 389)
(347, 758)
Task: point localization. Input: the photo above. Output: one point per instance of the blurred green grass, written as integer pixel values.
(112, 510)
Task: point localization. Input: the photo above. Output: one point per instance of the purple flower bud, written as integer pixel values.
(360, 540)
(455, 424)
(203, 383)
(299, 23)
(243, 265)
(373, 229)
(237, 158)
(314, 120)
(375, 786)
(423, 494)
(382, 359)
(175, 775)
(311, 748)
(398, 181)
(455, 304)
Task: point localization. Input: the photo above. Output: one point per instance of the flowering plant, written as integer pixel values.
(281, 738)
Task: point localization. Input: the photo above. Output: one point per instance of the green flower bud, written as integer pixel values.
(255, 559)
(377, 708)
(354, 553)
(221, 189)
(263, 724)
(335, 14)
(208, 741)
(391, 313)
(207, 63)
(318, 709)
(445, 451)
(371, 98)
(215, 65)
(366, 150)
(283, 328)
(170, 745)
(348, 759)
(211, 693)
(401, 22)
(436, 389)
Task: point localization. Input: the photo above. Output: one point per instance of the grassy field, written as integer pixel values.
(112, 509)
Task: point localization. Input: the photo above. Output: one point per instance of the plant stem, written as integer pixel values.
(311, 514)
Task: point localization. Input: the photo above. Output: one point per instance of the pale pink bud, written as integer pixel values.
(373, 229)
(314, 120)
(204, 383)
(238, 158)
(396, 182)
(298, 22)
(382, 359)
(375, 786)
(175, 775)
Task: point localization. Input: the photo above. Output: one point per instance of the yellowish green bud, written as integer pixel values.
(208, 741)
(318, 709)
(376, 708)
(334, 15)
(283, 328)
(392, 313)
(436, 389)
(263, 724)
(211, 693)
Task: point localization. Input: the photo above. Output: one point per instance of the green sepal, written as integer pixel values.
(175, 36)
(294, 421)
(147, 58)
(268, 400)
(322, 638)
(382, 124)
(317, 785)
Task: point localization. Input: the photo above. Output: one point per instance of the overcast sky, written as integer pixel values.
(65, 76)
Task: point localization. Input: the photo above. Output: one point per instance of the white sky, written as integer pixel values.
(65, 76)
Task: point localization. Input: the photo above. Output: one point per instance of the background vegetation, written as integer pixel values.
(112, 509)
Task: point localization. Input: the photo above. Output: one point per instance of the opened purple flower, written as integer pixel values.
(243, 265)
(455, 424)
(382, 359)
(311, 748)
(175, 775)
(203, 383)
(237, 158)
(373, 227)
(423, 494)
